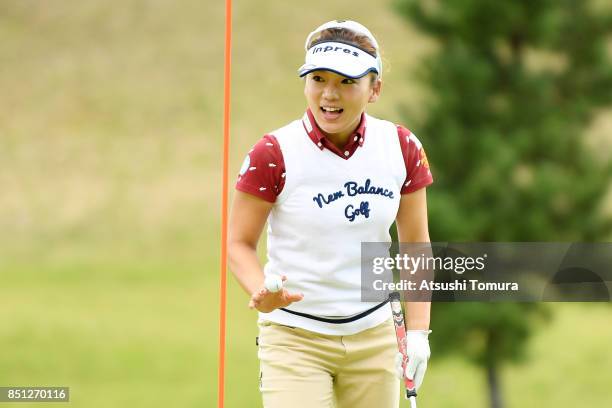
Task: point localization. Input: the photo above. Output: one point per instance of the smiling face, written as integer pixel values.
(337, 102)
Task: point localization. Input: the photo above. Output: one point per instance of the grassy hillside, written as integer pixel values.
(110, 148)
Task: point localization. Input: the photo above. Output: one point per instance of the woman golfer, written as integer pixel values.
(325, 183)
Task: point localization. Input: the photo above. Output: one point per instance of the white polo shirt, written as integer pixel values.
(327, 201)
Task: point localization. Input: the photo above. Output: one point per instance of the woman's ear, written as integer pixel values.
(376, 88)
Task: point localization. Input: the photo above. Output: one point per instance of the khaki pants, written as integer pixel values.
(302, 369)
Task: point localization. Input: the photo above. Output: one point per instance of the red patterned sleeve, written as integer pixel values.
(418, 174)
(263, 171)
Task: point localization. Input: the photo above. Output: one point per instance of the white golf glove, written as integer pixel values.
(418, 353)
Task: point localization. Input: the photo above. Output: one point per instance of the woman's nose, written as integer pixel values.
(330, 92)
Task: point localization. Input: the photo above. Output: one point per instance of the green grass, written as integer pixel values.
(110, 149)
(113, 341)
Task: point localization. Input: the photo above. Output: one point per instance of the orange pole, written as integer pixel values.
(224, 198)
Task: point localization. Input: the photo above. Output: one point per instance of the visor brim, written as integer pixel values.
(305, 71)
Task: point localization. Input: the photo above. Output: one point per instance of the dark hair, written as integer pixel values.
(346, 36)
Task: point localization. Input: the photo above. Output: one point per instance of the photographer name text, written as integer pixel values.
(457, 285)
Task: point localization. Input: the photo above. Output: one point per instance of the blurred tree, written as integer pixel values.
(514, 85)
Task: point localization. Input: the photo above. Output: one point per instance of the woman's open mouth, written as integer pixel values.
(331, 113)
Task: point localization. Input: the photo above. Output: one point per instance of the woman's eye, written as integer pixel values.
(348, 81)
(317, 78)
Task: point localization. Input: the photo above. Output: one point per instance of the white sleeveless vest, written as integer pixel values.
(327, 208)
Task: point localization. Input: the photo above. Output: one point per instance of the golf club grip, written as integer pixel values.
(400, 335)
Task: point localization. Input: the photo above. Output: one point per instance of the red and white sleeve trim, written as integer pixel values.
(418, 173)
(263, 171)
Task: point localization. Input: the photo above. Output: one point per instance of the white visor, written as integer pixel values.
(346, 66)
(341, 58)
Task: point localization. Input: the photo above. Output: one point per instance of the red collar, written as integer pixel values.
(318, 138)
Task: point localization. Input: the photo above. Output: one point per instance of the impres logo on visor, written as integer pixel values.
(331, 48)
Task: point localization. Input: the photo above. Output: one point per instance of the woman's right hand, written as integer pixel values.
(266, 301)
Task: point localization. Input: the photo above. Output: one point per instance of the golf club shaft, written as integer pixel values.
(400, 335)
